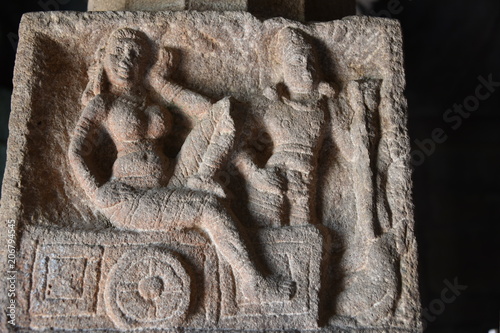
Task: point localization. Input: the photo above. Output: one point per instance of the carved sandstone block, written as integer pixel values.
(203, 171)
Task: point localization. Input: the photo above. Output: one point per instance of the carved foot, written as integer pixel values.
(270, 289)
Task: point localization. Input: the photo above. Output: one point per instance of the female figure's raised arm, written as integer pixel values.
(83, 141)
(190, 102)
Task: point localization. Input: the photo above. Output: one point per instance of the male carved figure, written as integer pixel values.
(295, 116)
(140, 195)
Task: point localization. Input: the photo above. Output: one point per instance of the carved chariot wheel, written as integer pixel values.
(147, 288)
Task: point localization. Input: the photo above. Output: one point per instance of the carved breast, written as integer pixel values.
(137, 131)
(130, 121)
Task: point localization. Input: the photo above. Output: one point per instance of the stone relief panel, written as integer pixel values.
(65, 285)
(211, 171)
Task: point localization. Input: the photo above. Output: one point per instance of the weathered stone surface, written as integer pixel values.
(158, 5)
(212, 172)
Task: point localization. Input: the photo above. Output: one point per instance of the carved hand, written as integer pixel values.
(112, 193)
(161, 69)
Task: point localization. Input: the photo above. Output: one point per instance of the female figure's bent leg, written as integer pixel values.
(165, 209)
(223, 230)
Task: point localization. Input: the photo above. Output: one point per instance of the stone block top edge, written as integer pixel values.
(31, 19)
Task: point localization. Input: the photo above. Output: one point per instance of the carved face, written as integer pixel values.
(299, 72)
(297, 59)
(124, 61)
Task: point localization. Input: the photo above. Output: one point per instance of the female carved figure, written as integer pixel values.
(145, 191)
(295, 115)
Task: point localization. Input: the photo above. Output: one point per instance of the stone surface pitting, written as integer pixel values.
(159, 5)
(286, 205)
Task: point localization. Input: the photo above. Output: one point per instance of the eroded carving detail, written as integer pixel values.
(140, 228)
(140, 195)
(65, 282)
(282, 192)
(148, 288)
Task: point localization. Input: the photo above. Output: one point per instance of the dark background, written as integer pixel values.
(448, 45)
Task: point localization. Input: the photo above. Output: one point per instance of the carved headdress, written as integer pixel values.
(288, 47)
(289, 42)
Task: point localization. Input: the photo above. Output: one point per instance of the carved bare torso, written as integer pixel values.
(137, 130)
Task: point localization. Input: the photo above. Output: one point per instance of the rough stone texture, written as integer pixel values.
(212, 172)
(158, 5)
(300, 10)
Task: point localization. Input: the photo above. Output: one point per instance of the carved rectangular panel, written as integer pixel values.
(71, 282)
(290, 252)
(211, 171)
(65, 280)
